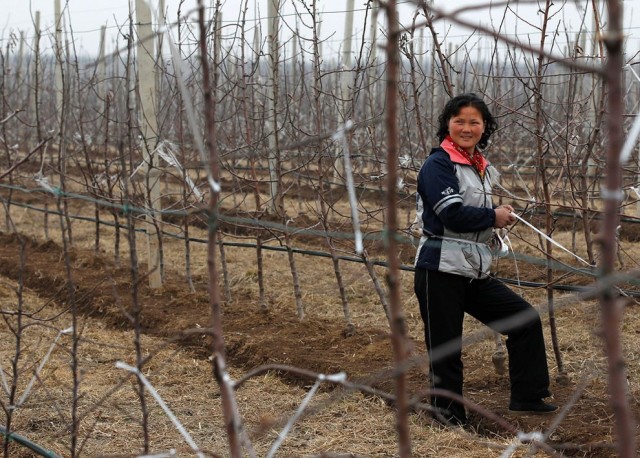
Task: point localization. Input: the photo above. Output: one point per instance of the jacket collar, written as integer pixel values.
(456, 156)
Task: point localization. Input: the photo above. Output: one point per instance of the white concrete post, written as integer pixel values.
(33, 108)
(345, 79)
(102, 65)
(101, 84)
(148, 126)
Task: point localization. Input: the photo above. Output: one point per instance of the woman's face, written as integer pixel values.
(466, 128)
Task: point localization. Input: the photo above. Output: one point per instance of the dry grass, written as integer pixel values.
(355, 424)
(352, 423)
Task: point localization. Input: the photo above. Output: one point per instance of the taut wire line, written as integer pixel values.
(546, 237)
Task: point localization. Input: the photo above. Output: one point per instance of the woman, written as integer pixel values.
(452, 264)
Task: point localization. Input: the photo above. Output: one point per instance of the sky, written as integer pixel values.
(87, 17)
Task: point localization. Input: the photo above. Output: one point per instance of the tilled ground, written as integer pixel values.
(256, 337)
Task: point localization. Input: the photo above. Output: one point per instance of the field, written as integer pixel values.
(176, 350)
(125, 333)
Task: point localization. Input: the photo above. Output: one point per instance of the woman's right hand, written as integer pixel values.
(504, 216)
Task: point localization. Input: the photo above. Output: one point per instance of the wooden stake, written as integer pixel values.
(273, 12)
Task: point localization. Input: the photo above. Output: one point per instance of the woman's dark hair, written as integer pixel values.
(453, 107)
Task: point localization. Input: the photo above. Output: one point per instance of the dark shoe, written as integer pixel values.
(538, 407)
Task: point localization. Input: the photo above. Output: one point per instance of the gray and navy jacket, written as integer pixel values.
(456, 214)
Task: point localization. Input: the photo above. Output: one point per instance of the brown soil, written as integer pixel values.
(256, 337)
(177, 318)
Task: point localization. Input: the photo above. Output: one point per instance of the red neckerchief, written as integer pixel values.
(476, 159)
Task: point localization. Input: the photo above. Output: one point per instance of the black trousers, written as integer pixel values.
(444, 298)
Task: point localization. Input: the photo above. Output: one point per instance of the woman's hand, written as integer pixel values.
(504, 216)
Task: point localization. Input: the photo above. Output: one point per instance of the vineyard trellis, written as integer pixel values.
(268, 140)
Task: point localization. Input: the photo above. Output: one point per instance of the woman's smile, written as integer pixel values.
(466, 128)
